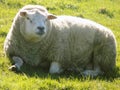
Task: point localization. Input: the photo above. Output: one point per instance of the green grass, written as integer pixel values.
(106, 12)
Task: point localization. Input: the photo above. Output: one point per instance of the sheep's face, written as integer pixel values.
(34, 24)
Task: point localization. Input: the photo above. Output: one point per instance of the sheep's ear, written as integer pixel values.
(23, 13)
(51, 16)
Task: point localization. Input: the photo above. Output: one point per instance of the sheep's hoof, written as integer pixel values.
(14, 68)
(89, 73)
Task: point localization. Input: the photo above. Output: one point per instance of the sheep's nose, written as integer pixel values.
(41, 28)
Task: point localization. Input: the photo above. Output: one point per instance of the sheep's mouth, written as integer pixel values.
(40, 33)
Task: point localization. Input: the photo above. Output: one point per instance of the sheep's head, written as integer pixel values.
(34, 23)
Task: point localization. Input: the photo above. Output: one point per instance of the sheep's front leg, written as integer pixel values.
(18, 63)
(55, 68)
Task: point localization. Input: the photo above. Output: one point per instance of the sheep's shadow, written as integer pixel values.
(43, 73)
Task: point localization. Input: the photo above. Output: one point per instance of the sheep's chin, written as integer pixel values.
(33, 39)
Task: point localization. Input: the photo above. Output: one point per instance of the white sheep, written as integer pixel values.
(60, 42)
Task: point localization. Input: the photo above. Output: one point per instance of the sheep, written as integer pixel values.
(60, 43)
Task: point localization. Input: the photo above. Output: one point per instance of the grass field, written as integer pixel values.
(106, 12)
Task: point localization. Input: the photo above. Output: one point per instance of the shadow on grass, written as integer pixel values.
(3, 34)
(43, 73)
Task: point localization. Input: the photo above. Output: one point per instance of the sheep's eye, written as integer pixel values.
(45, 21)
(29, 19)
